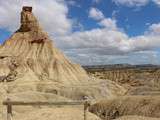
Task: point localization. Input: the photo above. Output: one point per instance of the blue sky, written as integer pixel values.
(134, 20)
(94, 31)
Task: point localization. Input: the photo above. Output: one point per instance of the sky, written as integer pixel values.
(94, 32)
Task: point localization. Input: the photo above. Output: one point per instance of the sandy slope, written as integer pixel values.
(63, 113)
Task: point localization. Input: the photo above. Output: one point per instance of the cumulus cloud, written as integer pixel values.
(143, 43)
(96, 14)
(108, 23)
(157, 2)
(131, 3)
(100, 41)
(52, 15)
(135, 3)
(96, 45)
(155, 29)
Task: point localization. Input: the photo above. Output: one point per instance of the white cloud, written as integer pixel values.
(108, 23)
(135, 3)
(52, 15)
(72, 3)
(157, 2)
(131, 3)
(145, 42)
(96, 14)
(97, 39)
(155, 29)
(97, 45)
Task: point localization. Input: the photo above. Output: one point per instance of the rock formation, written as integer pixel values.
(30, 61)
(32, 49)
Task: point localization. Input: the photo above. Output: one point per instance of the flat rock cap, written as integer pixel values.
(27, 8)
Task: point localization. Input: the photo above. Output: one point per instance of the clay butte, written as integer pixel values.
(32, 48)
(30, 61)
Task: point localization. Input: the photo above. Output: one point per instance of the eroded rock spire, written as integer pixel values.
(28, 20)
(29, 23)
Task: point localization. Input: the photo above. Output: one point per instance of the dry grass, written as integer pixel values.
(137, 118)
(148, 106)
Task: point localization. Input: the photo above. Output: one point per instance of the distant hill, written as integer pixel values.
(120, 66)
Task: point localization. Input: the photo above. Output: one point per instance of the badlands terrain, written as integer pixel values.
(142, 83)
(137, 79)
(33, 69)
